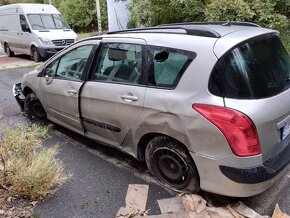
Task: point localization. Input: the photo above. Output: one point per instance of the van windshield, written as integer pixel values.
(47, 21)
(256, 69)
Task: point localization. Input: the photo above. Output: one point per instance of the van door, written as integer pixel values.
(114, 99)
(24, 35)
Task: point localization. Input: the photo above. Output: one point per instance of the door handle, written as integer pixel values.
(72, 91)
(129, 98)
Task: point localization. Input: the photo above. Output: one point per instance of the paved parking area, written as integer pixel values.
(14, 62)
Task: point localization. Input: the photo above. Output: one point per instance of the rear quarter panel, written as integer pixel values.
(266, 114)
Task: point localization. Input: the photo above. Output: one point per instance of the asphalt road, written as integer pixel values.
(101, 174)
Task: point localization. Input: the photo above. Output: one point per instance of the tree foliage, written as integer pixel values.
(261, 12)
(81, 14)
(267, 13)
(154, 12)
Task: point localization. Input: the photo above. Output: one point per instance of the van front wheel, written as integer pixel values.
(8, 50)
(35, 55)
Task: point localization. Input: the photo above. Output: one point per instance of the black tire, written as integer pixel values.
(170, 163)
(33, 108)
(8, 50)
(35, 55)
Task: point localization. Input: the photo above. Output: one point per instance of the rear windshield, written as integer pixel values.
(47, 21)
(256, 69)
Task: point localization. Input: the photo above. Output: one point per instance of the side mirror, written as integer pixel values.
(48, 79)
(41, 73)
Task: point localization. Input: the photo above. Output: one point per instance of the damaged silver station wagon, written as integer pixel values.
(206, 105)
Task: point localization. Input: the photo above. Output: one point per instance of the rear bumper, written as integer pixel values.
(242, 176)
(268, 170)
(18, 94)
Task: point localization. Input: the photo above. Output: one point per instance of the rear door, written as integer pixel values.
(113, 100)
(61, 85)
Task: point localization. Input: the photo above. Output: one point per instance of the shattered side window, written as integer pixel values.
(166, 66)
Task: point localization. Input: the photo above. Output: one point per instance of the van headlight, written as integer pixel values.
(45, 41)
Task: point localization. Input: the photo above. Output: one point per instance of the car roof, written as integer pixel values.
(220, 36)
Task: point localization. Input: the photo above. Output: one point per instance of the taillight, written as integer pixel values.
(239, 130)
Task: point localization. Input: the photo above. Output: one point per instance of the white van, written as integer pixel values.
(38, 30)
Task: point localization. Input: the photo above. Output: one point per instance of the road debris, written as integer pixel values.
(278, 213)
(136, 199)
(186, 206)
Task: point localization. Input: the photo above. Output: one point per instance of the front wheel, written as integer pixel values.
(169, 162)
(33, 108)
(35, 55)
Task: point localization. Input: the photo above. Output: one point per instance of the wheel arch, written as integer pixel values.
(32, 46)
(27, 90)
(143, 142)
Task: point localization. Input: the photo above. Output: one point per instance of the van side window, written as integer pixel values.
(71, 65)
(23, 23)
(120, 63)
(166, 66)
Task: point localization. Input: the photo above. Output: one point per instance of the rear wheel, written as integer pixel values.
(8, 50)
(34, 108)
(35, 54)
(171, 164)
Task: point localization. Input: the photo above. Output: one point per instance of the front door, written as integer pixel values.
(61, 86)
(113, 101)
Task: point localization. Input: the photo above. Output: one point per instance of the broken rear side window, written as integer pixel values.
(166, 66)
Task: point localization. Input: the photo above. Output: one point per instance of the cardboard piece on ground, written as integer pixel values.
(171, 215)
(244, 210)
(193, 203)
(235, 214)
(136, 199)
(196, 206)
(170, 205)
(219, 212)
(187, 206)
(278, 213)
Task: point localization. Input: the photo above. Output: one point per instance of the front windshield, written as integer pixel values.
(47, 21)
